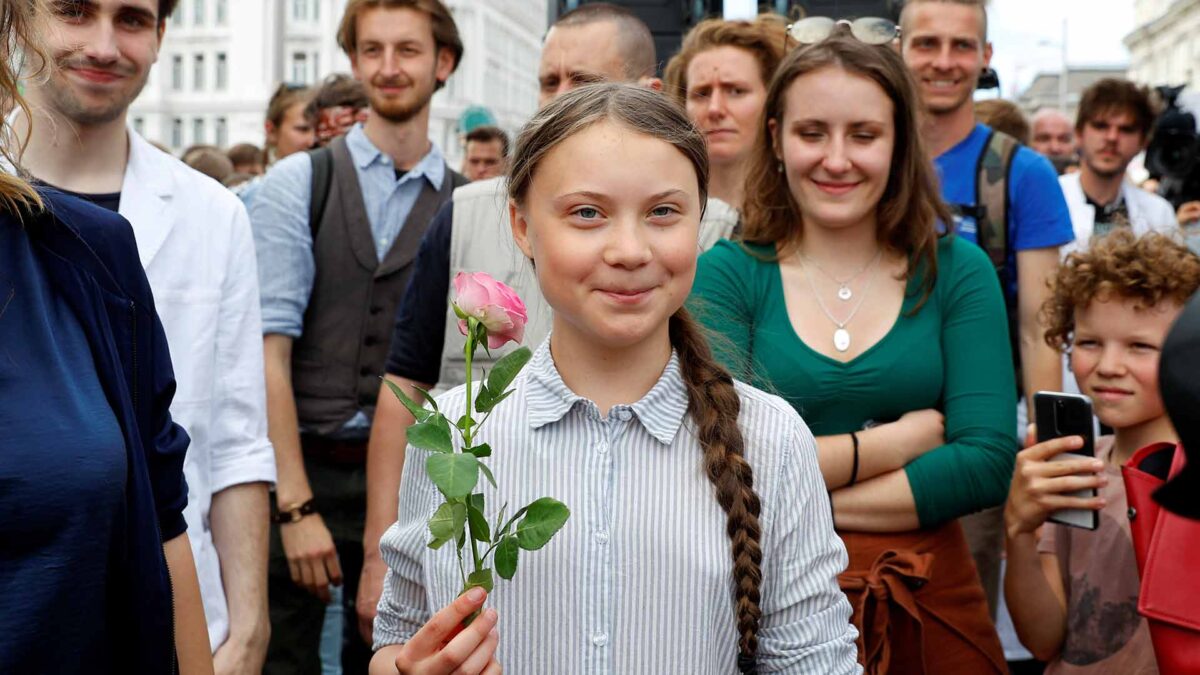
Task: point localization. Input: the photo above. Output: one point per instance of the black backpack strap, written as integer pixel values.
(322, 180)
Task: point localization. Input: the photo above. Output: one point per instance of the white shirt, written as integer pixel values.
(1147, 212)
(194, 240)
(640, 579)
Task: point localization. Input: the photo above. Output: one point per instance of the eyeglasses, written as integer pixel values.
(868, 29)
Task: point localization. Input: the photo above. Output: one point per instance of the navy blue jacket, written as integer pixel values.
(90, 255)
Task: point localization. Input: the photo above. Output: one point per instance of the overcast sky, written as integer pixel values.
(1026, 36)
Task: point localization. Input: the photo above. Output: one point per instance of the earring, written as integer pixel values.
(779, 167)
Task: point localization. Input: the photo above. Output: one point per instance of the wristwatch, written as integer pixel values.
(294, 513)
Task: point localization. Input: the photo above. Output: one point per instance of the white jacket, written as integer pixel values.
(1147, 212)
(194, 240)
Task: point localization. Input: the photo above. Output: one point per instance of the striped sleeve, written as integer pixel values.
(806, 618)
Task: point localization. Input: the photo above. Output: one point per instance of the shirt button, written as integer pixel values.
(602, 536)
(623, 415)
(383, 242)
(602, 447)
(600, 639)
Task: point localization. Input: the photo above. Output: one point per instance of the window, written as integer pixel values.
(222, 12)
(222, 71)
(198, 12)
(139, 125)
(316, 68)
(177, 18)
(176, 133)
(198, 72)
(177, 72)
(198, 131)
(299, 10)
(222, 132)
(300, 68)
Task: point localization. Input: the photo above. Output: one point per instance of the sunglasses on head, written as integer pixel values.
(868, 29)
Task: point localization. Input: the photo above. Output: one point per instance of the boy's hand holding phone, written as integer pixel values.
(1041, 485)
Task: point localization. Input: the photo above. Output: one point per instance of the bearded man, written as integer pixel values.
(336, 231)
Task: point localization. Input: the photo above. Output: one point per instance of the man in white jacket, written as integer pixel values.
(1113, 126)
(195, 243)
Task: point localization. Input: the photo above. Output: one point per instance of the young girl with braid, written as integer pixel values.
(700, 539)
(889, 339)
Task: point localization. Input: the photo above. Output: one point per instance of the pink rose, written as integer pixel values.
(495, 305)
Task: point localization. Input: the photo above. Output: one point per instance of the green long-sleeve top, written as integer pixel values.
(952, 354)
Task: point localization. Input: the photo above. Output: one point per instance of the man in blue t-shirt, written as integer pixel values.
(945, 46)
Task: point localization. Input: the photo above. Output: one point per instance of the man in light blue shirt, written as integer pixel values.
(336, 231)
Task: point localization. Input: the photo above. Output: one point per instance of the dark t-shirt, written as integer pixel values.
(420, 332)
(106, 200)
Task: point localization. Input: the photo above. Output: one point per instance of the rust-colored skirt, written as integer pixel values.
(918, 604)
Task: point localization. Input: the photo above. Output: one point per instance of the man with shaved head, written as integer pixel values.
(1053, 136)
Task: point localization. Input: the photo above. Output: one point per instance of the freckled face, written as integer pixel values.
(725, 96)
(611, 220)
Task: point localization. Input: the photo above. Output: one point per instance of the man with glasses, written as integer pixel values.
(336, 232)
(1019, 216)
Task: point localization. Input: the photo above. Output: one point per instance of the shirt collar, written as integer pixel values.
(432, 166)
(661, 411)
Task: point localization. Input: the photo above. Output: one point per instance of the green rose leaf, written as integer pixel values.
(419, 412)
(464, 422)
(506, 557)
(433, 434)
(446, 523)
(480, 530)
(509, 523)
(500, 520)
(455, 474)
(481, 578)
(458, 312)
(542, 520)
(487, 473)
(488, 400)
(482, 450)
(507, 368)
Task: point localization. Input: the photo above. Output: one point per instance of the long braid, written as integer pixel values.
(713, 404)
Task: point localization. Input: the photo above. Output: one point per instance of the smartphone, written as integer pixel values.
(1060, 415)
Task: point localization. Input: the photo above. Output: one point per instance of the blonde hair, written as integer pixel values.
(16, 48)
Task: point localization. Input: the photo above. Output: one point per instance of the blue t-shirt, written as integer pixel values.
(62, 478)
(1037, 213)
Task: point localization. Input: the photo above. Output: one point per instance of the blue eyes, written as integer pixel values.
(593, 213)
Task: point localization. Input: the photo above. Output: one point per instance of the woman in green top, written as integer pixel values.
(889, 339)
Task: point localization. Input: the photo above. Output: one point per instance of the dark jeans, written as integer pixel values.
(340, 493)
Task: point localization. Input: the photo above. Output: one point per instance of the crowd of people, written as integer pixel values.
(788, 307)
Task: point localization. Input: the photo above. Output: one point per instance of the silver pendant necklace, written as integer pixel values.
(841, 336)
(844, 291)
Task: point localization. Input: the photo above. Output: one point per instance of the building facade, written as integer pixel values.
(1164, 48)
(1044, 91)
(222, 59)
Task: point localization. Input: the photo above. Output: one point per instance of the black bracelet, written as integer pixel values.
(854, 467)
(294, 514)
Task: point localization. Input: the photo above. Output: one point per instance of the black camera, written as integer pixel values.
(1173, 156)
